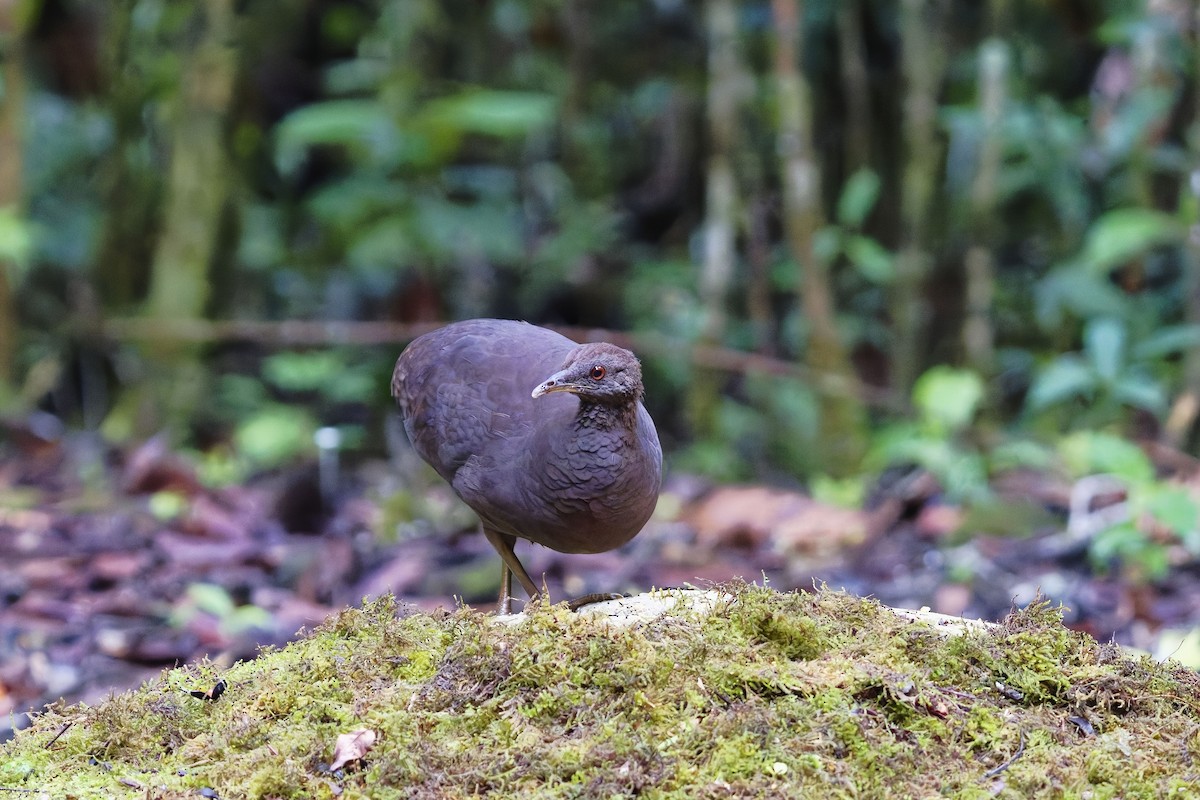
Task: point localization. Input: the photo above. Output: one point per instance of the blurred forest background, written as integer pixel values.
(936, 257)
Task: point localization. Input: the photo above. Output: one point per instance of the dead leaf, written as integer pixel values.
(752, 517)
(351, 747)
(153, 467)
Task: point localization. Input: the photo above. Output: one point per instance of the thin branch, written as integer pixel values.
(307, 333)
(994, 771)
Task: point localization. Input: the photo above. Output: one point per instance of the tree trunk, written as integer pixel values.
(720, 203)
(758, 273)
(842, 419)
(198, 180)
(12, 117)
(922, 67)
(856, 88)
(720, 225)
(126, 181)
(1180, 424)
(978, 334)
(197, 191)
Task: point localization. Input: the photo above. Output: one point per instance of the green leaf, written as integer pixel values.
(490, 113)
(1128, 129)
(1168, 341)
(246, 618)
(1020, 454)
(275, 434)
(16, 237)
(334, 374)
(357, 200)
(858, 198)
(936, 455)
(1126, 543)
(168, 505)
(302, 372)
(1089, 452)
(446, 229)
(1104, 343)
(948, 397)
(1140, 391)
(211, 598)
(893, 445)
(845, 492)
(1064, 378)
(1072, 288)
(364, 124)
(874, 261)
(380, 246)
(827, 243)
(1111, 543)
(1121, 235)
(1173, 507)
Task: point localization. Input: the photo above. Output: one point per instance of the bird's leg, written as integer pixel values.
(503, 543)
(504, 602)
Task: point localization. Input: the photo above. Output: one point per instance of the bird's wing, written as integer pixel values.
(465, 389)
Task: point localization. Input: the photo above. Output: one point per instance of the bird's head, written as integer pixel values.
(598, 372)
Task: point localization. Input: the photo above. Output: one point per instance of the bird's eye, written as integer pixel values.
(597, 372)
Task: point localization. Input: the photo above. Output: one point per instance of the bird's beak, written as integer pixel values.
(555, 383)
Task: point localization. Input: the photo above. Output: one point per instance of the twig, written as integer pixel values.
(306, 333)
(994, 771)
(66, 726)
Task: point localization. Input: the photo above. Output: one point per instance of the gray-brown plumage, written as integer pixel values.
(546, 439)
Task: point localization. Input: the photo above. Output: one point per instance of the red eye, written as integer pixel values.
(597, 372)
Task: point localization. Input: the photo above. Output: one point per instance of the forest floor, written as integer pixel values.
(116, 563)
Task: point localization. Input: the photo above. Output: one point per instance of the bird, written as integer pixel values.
(545, 439)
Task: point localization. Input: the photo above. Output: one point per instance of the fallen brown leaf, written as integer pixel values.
(753, 517)
(351, 747)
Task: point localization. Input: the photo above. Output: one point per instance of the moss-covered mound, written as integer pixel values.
(764, 695)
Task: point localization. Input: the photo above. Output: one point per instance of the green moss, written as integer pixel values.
(764, 695)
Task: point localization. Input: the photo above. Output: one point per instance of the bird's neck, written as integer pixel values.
(603, 417)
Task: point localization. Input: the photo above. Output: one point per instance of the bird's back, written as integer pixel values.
(465, 389)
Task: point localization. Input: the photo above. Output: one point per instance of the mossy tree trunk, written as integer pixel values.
(197, 192)
(922, 61)
(198, 179)
(978, 333)
(842, 415)
(12, 116)
(128, 180)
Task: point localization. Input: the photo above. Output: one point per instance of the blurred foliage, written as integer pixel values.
(1159, 515)
(417, 160)
(947, 401)
(209, 599)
